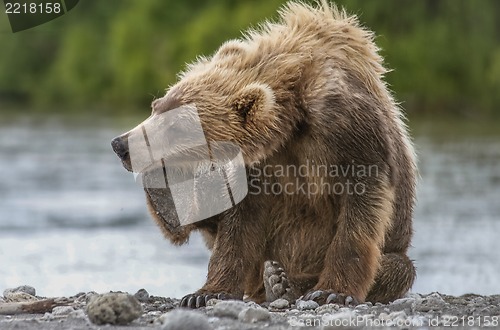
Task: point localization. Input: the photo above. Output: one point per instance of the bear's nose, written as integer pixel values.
(120, 147)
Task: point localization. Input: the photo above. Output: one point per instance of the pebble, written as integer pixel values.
(413, 295)
(166, 307)
(182, 319)
(362, 307)
(47, 316)
(253, 315)
(78, 314)
(434, 297)
(113, 308)
(19, 296)
(154, 313)
(398, 316)
(402, 301)
(434, 301)
(280, 304)
(88, 297)
(229, 308)
(142, 295)
(407, 304)
(62, 310)
(328, 308)
(212, 302)
(341, 315)
(306, 304)
(23, 288)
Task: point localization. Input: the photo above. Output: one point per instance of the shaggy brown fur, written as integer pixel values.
(308, 89)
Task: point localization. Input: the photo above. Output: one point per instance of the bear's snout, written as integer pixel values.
(120, 147)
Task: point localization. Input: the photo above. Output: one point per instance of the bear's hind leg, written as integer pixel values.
(394, 278)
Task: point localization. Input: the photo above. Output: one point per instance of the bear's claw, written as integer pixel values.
(329, 297)
(197, 300)
(276, 283)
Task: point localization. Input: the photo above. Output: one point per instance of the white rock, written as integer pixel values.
(19, 296)
(434, 301)
(183, 319)
(142, 295)
(362, 307)
(23, 288)
(306, 304)
(62, 310)
(403, 301)
(252, 315)
(435, 296)
(413, 295)
(229, 308)
(280, 304)
(113, 308)
(154, 313)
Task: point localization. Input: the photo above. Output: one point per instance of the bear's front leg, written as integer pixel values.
(353, 257)
(235, 253)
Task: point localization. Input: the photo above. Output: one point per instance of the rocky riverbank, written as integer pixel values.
(142, 311)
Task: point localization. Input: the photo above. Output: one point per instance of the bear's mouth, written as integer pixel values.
(165, 188)
(185, 188)
(159, 196)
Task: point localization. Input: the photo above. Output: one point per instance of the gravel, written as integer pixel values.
(123, 311)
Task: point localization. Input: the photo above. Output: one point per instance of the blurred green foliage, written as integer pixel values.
(121, 54)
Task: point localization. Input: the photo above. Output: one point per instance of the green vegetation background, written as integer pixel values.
(116, 56)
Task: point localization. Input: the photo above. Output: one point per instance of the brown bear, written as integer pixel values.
(330, 168)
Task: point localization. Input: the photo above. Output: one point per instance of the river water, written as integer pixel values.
(72, 219)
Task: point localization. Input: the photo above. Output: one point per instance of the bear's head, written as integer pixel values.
(244, 95)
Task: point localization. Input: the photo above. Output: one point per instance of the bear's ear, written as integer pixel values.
(253, 99)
